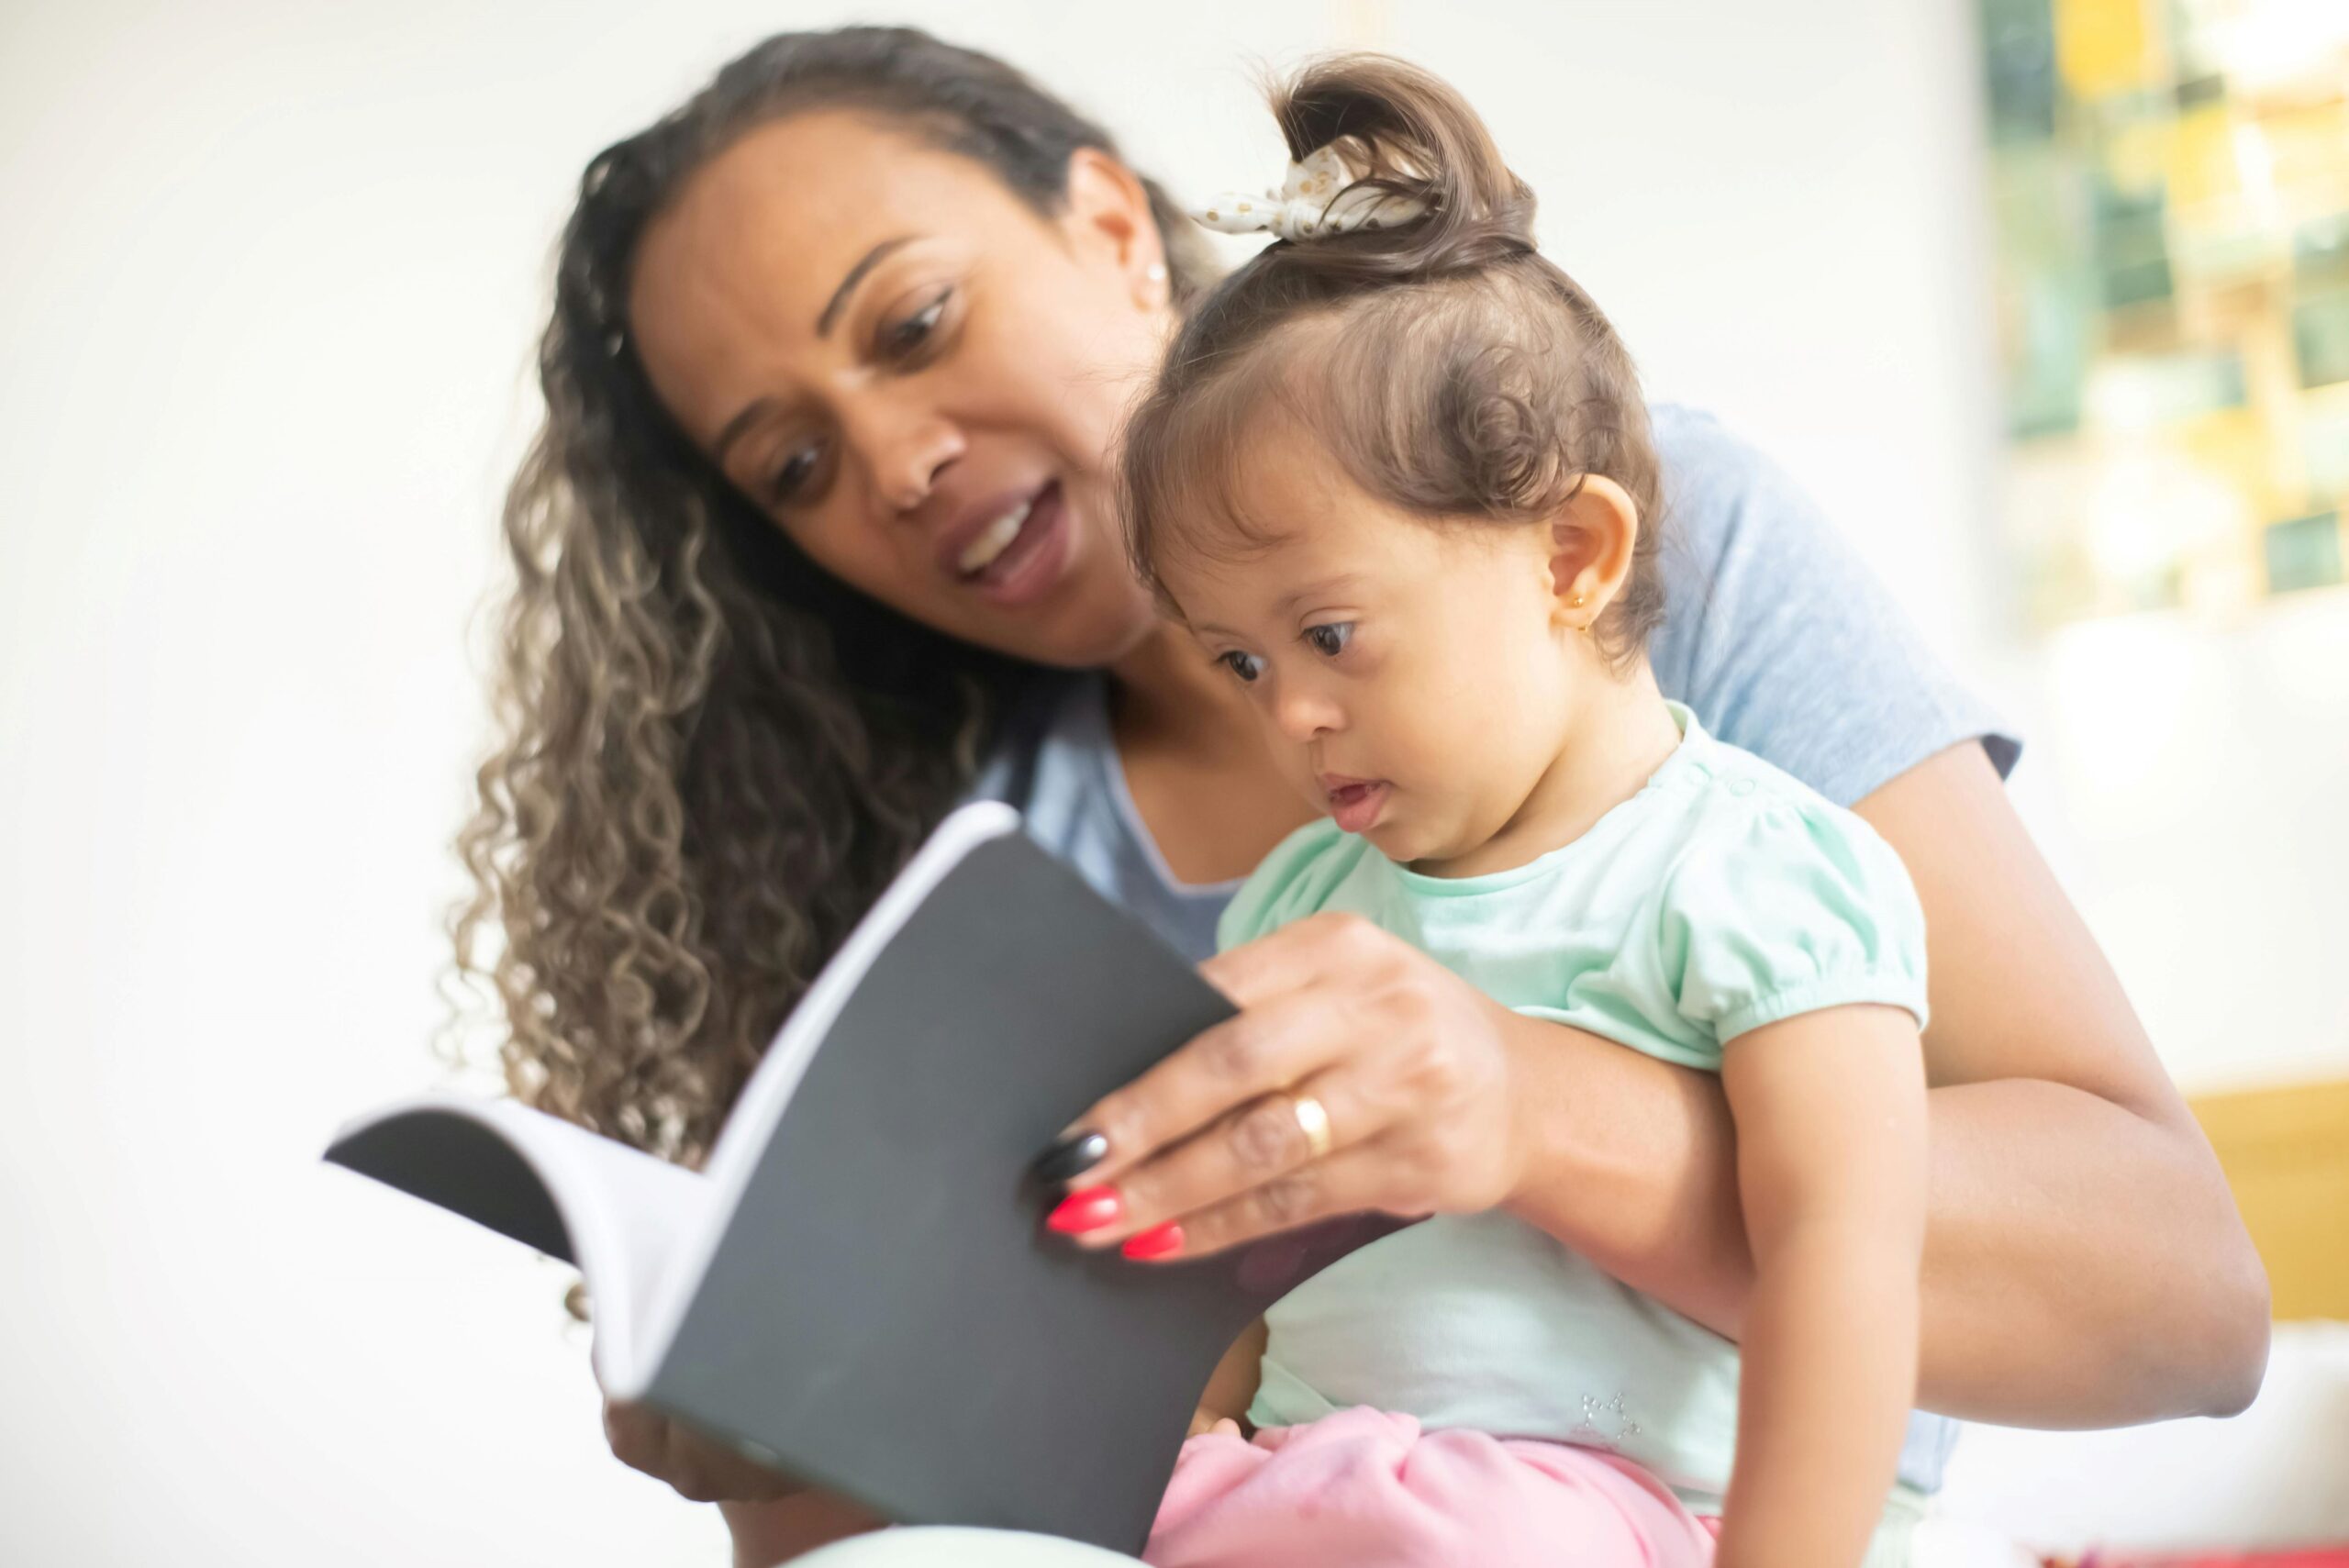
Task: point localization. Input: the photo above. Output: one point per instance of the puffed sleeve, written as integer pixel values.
(1790, 908)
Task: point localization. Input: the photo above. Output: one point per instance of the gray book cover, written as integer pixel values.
(859, 1290)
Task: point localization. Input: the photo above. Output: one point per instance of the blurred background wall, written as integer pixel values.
(270, 275)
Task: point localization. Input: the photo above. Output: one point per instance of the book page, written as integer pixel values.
(617, 1213)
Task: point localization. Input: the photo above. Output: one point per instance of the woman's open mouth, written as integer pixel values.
(1019, 555)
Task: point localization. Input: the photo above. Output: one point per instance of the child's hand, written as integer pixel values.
(1204, 1421)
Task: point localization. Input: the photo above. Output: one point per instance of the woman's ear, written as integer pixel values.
(1108, 213)
(1594, 540)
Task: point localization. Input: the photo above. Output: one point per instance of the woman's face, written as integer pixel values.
(916, 375)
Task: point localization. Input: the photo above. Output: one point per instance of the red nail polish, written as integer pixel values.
(1158, 1241)
(1087, 1210)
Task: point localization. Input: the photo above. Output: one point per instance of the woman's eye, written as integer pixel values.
(908, 335)
(794, 473)
(1247, 666)
(1330, 640)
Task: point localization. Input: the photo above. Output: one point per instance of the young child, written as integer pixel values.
(1395, 478)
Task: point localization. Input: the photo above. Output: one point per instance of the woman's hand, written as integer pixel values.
(700, 1470)
(1412, 1066)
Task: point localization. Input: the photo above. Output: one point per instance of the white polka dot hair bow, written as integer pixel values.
(1321, 197)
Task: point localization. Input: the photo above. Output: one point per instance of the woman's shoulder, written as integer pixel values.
(1704, 457)
(1777, 634)
(1729, 511)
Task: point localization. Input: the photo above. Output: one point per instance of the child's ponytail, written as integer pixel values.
(1405, 133)
(1404, 320)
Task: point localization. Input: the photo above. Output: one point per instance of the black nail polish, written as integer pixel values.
(1072, 1156)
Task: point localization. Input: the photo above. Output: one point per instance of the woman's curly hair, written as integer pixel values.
(712, 754)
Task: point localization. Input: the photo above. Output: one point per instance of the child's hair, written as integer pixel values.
(1449, 368)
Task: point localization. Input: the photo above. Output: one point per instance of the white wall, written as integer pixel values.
(269, 274)
(2190, 779)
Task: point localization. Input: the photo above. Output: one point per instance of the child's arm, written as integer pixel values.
(1831, 1137)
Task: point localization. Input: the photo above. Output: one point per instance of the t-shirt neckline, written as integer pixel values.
(1682, 758)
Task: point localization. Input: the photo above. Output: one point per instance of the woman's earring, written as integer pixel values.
(1157, 273)
(1575, 603)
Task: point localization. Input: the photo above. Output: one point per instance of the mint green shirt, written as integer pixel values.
(1723, 896)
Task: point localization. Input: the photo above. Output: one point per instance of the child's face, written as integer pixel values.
(1415, 680)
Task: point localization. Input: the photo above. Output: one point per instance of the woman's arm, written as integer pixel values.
(2084, 1262)
(2084, 1265)
(2076, 1200)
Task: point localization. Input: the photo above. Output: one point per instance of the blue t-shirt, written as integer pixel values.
(1775, 634)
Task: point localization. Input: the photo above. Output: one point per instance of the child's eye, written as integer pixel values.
(1330, 640)
(1247, 666)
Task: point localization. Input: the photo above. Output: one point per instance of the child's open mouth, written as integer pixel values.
(1354, 804)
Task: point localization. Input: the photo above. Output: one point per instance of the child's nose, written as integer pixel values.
(1304, 714)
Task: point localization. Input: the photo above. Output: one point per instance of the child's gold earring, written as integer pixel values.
(1575, 603)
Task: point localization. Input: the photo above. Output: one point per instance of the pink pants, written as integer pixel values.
(1368, 1489)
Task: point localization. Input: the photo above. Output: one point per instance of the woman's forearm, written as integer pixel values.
(2084, 1265)
(1633, 1162)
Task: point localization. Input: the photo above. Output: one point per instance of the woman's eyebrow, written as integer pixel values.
(737, 426)
(870, 260)
(758, 408)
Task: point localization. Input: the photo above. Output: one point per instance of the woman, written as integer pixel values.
(817, 538)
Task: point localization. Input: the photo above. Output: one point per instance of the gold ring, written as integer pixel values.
(1313, 1119)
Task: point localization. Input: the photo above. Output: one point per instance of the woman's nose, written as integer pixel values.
(907, 451)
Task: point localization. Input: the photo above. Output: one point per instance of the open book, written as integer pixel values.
(857, 1289)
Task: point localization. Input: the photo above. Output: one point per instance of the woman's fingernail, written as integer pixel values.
(1088, 1210)
(1158, 1241)
(1072, 1156)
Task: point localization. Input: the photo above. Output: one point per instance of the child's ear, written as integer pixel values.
(1593, 541)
